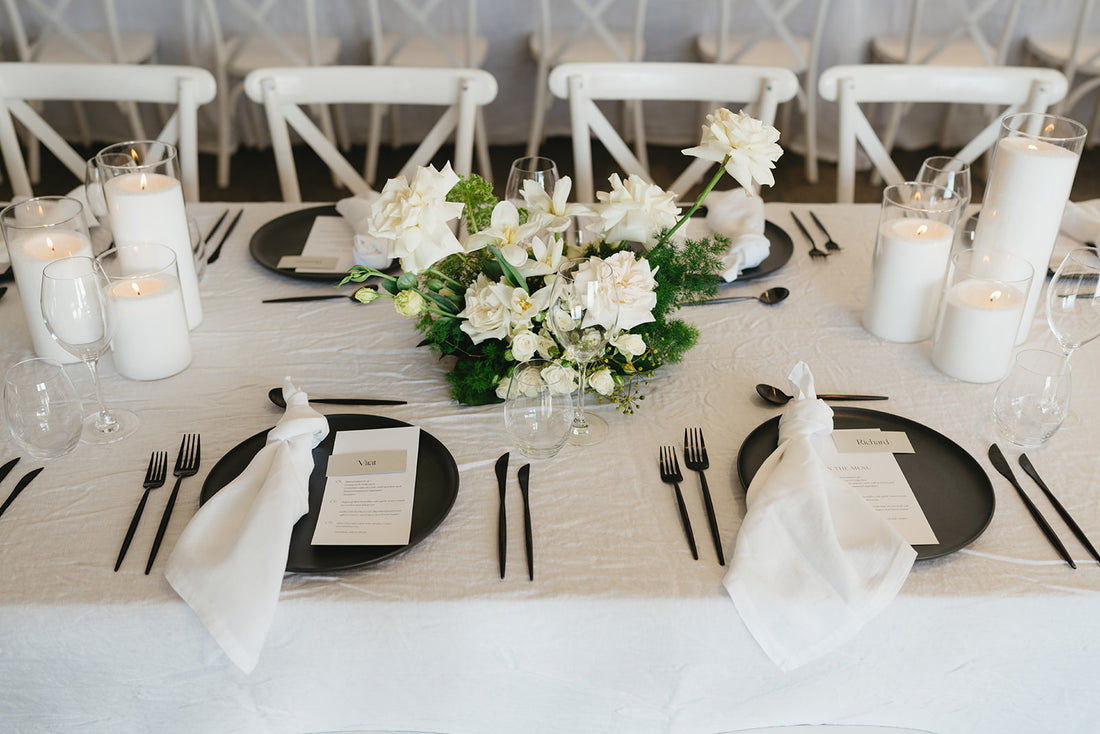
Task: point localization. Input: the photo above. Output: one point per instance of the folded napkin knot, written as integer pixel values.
(739, 217)
(368, 251)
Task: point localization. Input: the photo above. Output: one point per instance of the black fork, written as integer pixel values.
(829, 244)
(670, 474)
(695, 458)
(155, 475)
(187, 464)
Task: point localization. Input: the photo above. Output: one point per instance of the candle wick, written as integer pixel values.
(137, 289)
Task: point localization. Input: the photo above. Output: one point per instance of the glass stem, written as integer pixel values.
(104, 421)
(579, 420)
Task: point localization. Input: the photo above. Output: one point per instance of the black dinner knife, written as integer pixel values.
(20, 486)
(1000, 463)
(524, 475)
(1029, 469)
(6, 468)
(228, 231)
(502, 525)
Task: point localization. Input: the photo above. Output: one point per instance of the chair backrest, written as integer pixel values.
(734, 40)
(1017, 89)
(54, 24)
(281, 91)
(967, 17)
(588, 20)
(257, 18)
(583, 85)
(422, 23)
(184, 86)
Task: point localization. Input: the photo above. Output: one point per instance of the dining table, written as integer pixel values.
(620, 630)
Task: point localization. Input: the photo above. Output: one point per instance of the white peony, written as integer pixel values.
(554, 213)
(751, 146)
(524, 346)
(633, 211)
(629, 345)
(413, 218)
(635, 286)
(505, 232)
(485, 316)
(602, 382)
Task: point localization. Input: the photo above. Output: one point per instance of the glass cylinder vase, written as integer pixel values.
(1034, 164)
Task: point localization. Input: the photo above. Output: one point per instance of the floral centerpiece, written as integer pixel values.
(483, 300)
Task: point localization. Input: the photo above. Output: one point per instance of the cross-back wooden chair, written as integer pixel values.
(1076, 51)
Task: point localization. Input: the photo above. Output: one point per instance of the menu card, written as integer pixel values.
(864, 460)
(328, 248)
(370, 487)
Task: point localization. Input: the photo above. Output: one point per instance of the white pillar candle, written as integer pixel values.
(1028, 189)
(907, 277)
(29, 257)
(977, 331)
(149, 208)
(151, 339)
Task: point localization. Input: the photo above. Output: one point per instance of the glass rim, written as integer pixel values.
(542, 163)
(1011, 259)
(170, 154)
(962, 168)
(1080, 130)
(54, 264)
(53, 363)
(945, 195)
(144, 272)
(30, 226)
(1033, 355)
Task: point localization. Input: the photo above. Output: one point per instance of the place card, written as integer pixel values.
(329, 238)
(369, 492)
(305, 262)
(867, 440)
(876, 476)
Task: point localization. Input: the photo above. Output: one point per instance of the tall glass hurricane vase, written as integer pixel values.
(77, 315)
(584, 310)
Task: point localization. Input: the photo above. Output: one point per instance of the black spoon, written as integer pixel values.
(771, 297)
(775, 396)
(276, 396)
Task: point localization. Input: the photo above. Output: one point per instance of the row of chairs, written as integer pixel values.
(283, 92)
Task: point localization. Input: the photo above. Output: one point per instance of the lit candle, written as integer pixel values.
(1029, 186)
(907, 278)
(977, 331)
(149, 208)
(151, 339)
(29, 257)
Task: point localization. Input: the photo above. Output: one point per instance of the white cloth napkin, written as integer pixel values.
(741, 218)
(229, 562)
(368, 251)
(1082, 221)
(813, 561)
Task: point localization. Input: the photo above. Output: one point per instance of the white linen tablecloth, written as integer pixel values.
(621, 631)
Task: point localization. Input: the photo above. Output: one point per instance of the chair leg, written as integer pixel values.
(641, 150)
(395, 126)
(259, 124)
(374, 133)
(137, 125)
(324, 115)
(811, 138)
(896, 111)
(481, 142)
(224, 119)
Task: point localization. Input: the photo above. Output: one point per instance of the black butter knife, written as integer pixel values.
(275, 395)
(20, 486)
(1000, 463)
(524, 475)
(6, 468)
(502, 524)
(1028, 467)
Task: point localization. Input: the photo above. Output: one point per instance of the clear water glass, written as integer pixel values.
(42, 409)
(1032, 402)
(542, 171)
(538, 413)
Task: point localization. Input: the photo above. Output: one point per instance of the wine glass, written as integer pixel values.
(74, 307)
(97, 205)
(541, 170)
(954, 175)
(1073, 302)
(584, 308)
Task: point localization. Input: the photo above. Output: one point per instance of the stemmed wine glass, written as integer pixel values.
(584, 308)
(77, 315)
(97, 205)
(954, 175)
(531, 168)
(1073, 301)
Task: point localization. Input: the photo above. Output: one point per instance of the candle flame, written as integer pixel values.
(134, 155)
(922, 229)
(143, 182)
(1049, 127)
(137, 288)
(1032, 146)
(994, 296)
(49, 244)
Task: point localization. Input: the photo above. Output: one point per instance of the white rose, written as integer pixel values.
(751, 145)
(413, 218)
(629, 345)
(561, 379)
(486, 316)
(602, 382)
(502, 387)
(634, 211)
(635, 286)
(524, 346)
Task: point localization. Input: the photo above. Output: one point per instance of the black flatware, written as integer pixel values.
(228, 231)
(187, 464)
(20, 486)
(502, 523)
(1000, 463)
(210, 235)
(275, 395)
(6, 468)
(353, 297)
(829, 244)
(1029, 468)
(775, 396)
(815, 251)
(155, 475)
(769, 297)
(695, 459)
(524, 476)
(3, 290)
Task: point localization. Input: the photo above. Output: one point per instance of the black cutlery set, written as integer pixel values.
(695, 459)
(523, 476)
(20, 485)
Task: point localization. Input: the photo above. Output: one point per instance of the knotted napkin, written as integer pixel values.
(813, 561)
(368, 251)
(229, 562)
(740, 217)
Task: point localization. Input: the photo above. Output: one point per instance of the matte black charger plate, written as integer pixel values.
(780, 252)
(287, 235)
(951, 487)
(436, 489)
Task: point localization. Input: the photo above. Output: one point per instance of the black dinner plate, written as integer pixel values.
(778, 254)
(951, 487)
(436, 489)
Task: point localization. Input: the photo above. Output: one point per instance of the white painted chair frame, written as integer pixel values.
(1081, 56)
(1017, 89)
(282, 90)
(423, 45)
(183, 86)
(717, 48)
(548, 54)
(764, 88)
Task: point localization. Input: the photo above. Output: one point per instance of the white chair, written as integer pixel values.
(1016, 89)
(185, 87)
(417, 38)
(585, 84)
(587, 38)
(770, 41)
(1077, 53)
(281, 91)
(261, 44)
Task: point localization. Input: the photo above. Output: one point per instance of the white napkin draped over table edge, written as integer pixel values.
(813, 562)
(228, 564)
(367, 251)
(740, 217)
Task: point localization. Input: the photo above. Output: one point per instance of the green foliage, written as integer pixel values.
(477, 195)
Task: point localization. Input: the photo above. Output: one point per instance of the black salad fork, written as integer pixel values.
(154, 479)
(670, 474)
(187, 464)
(695, 458)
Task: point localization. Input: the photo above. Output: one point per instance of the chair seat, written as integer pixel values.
(890, 49)
(137, 48)
(259, 53)
(590, 48)
(1054, 49)
(422, 51)
(768, 52)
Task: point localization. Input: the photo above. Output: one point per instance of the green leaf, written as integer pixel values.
(512, 275)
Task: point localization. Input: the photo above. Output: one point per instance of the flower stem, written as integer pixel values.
(450, 280)
(698, 202)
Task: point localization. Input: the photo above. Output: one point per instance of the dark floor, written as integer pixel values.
(254, 178)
